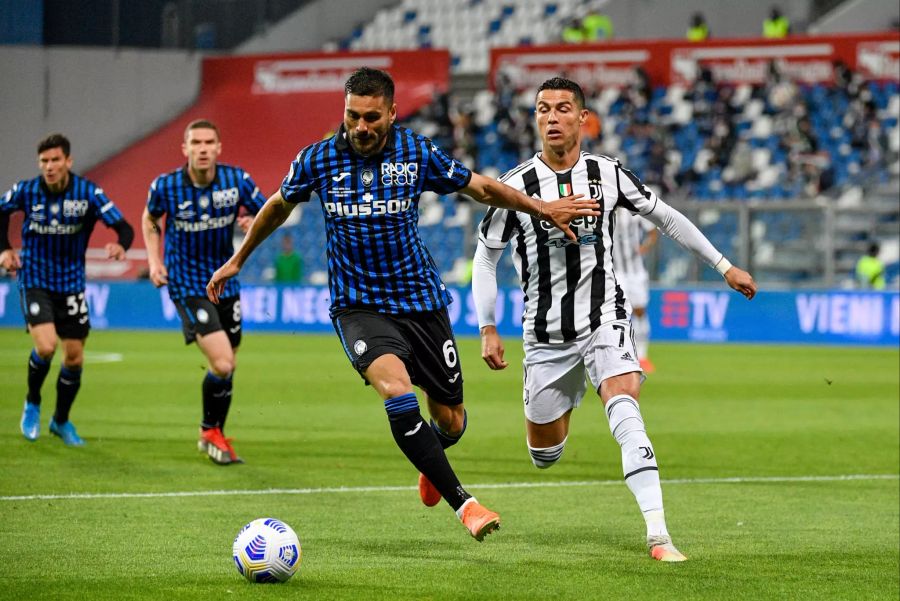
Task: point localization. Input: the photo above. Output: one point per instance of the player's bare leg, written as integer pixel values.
(620, 399)
(44, 338)
(217, 389)
(388, 376)
(547, 441)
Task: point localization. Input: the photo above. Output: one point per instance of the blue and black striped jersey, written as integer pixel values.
(200, 225)
(376, 258)
(56, 230)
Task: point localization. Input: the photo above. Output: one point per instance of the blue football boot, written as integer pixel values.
(66, 431)
(31, 421)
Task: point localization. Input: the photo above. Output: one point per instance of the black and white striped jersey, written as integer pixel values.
(570, 287)
(627, 239)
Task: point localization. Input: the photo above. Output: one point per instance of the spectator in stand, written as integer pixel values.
(776, 25)
(698, 30)
(288, 263)
(572, 31)
(597, 26)
(870, 269)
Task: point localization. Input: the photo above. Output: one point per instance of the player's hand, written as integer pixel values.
(561, 212)
(115, 251)
(218, 280)
(492, 348)
(741, 281)
(9, 260)
(244, 222)
(159, 275)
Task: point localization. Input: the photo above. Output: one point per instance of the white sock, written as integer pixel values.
(459, 511)
(641, 328)
(638, 460)
(544, 457)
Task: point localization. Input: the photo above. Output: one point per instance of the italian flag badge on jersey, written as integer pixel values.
(565, 190)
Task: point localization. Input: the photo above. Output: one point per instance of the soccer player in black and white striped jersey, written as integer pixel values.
(576, 319)
(632, 238)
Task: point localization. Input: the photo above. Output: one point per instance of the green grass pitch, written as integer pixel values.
(750, 440)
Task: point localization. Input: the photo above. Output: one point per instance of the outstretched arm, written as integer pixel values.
(560, 212)
(273, 214)
(678, 227)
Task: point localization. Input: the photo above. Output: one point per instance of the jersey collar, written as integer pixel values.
(341, 143)
(187, 182)
(48, 192)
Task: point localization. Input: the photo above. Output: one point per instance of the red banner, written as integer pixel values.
(807, 59)
(267, 108)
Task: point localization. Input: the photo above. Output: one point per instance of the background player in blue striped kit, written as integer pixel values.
(61, 209)
(388, 301)
(202, 201)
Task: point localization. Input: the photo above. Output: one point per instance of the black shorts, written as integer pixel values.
(67, 312)
(423, 341)
(200, 316)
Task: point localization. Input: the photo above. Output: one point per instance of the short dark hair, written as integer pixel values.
(201, 124)
(366, 81)
(561, 83)
(55, 141)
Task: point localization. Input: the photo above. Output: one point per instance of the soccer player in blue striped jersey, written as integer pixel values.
(202, 201)
(61, 209)
(388, 303)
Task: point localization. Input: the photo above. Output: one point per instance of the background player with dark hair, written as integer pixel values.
(61, 209)
(388, 301)
(201, 202)
(576, 316)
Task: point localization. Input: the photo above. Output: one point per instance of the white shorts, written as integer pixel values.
(554, 378)
(636, 287)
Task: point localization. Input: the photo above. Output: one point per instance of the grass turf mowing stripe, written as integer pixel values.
(358, 489)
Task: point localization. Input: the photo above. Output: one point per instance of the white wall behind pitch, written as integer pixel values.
(101, 99)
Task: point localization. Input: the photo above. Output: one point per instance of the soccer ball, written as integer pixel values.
(267, 550)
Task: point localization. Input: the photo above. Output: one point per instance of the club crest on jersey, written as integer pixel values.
(367, 176)
(594, 190)
(399, 174)
(204, 202)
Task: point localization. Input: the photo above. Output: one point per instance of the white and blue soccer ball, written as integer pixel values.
(267, 550)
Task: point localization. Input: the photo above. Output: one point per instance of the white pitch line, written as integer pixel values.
(359, 489)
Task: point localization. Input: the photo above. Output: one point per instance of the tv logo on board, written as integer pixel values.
(702, 314)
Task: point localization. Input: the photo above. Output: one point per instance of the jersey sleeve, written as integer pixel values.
(443, 173)
(13, 200)
(299, 183)
(633, 194)
(251, 198)
(496, 229)
(155, 204)
(104, 207)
